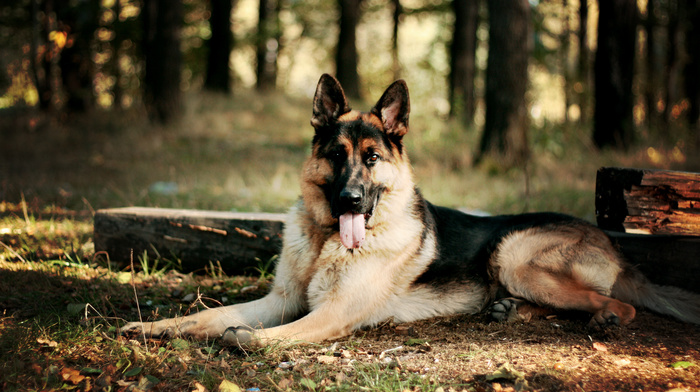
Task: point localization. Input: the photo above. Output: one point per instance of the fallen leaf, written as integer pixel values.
(124, 277)
(682, 365)
(600, 347)
(228, 386)
(47, 342)
(179, 344)
(506, 372)
(71, 375)
(76, 309)
(37, 368)
(199, 387)
(285, 383)
(224, 365)
(309, 383)
(509, 373)
(415, 342)
(89, 370)
(326, 359)
(133, 372)
(147, 382)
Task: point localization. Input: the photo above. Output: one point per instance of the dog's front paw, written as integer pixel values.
(506, 309)
(148, 329)
(242, 337)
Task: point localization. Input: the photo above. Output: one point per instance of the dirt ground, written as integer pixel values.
(652, 354)
(459, 353)
(474, 353)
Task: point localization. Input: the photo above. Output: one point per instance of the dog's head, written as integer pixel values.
(357, 157)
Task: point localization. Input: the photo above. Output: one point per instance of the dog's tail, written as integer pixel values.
(634, 288)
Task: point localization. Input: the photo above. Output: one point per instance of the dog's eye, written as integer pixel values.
(373, 158)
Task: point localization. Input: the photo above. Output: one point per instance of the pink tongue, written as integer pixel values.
(352, 229)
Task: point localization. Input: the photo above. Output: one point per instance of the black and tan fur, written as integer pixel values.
(414, 260)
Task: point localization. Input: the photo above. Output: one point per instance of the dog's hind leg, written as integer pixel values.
(570, 268)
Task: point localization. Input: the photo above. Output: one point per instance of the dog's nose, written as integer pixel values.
(351, 196)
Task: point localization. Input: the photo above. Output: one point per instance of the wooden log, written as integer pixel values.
(238, 241)
(648, 201)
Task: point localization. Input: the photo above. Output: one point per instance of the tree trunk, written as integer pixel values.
(219, 45)
(346, 58)
(650, 95)
(692, 68)
(116, 48)
(583, 59)
(672, 70)
(614, 68)
(564, 53)
(395, 64)
(462, 59)
(161, 44)
(267, 43)
(505, 130)
(41, 63)
(76, 64)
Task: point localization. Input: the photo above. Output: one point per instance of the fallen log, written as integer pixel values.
(648, 201)
(193, 238)
(240, 241)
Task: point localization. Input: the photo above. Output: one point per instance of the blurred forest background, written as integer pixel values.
(205, 103)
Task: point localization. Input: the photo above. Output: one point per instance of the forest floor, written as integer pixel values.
(61, 304)
(59, 332)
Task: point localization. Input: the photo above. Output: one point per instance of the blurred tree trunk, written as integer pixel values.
(505, 131)
(161, 44)
(267, 45)
(346, 58)
(463, 59)
(673, 63)
(395, 64)
(614, 67)
(218, 76)
(652, 88)
(43, 22)
(116, 47)
(79, 22)
(565, 52)
(583, 75)
(692, 68)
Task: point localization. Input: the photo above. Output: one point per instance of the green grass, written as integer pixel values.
(61, 305)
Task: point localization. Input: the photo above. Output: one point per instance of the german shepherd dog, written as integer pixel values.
(362, 246)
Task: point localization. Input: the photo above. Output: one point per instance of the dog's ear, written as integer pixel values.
(329, 102)
(393, 109)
